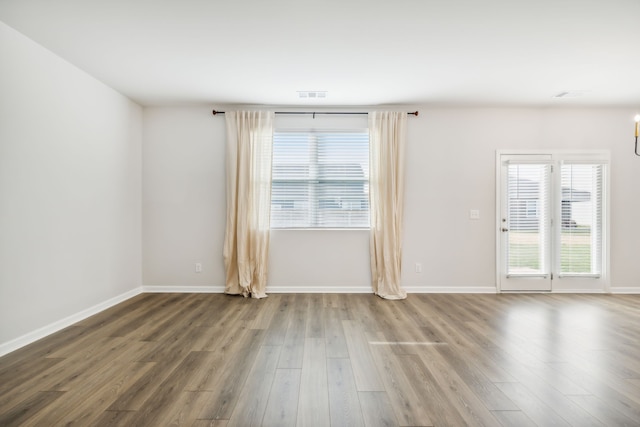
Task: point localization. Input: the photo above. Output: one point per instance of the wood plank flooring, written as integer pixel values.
(335, 360)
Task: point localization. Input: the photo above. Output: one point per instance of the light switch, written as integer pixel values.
(474, 214)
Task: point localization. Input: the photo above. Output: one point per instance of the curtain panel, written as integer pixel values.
(387, 139)
(248, 173)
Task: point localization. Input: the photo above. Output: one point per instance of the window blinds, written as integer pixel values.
(581, 213)
(320, 180)
(528, 214)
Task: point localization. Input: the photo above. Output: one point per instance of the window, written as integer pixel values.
(320, 180)
(580, 213)
(581, 231)
(528, 191)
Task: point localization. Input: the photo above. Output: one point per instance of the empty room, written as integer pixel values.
(319, 213)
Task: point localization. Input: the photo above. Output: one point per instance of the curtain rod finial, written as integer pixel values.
(215, 112)
(415, 113)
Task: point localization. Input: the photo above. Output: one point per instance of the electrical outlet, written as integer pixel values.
(198, 267)
(418, 267)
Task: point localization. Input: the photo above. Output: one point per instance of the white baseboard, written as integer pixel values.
(270, 289)
(183, 289)
(625, 290)
(369, 290)
(33, 336)
(324, 289)
(450, 289)
(578, 291)
(319, 290)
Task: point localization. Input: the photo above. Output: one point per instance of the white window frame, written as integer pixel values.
(315, 225)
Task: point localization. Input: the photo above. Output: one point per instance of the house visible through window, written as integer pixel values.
(532, 209)
(320, 180)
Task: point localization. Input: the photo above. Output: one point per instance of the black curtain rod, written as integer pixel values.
(412, 113)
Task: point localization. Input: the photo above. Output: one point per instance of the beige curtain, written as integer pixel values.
(248, 168)
(387, 134)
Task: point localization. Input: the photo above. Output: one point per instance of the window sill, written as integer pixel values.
(320, 229)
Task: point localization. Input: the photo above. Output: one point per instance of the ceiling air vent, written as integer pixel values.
(312, 94)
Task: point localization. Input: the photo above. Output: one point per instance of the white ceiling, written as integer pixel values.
(363, 52)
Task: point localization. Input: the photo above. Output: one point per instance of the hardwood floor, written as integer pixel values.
(334, 359)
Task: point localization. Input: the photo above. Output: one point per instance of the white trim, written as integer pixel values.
(184, 289)
(498, 224)
(56, 326)
(319, 290)
(625, 290)
(578, 291)
(450, 289)
(327, 289)
(565, 152)
(571, 284)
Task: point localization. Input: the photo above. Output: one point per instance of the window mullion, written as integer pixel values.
(313, 179)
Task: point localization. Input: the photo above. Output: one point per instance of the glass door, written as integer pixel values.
(525, 223)
(552, 225)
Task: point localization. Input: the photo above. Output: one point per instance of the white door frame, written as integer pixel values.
(559, 284)
(534, 281)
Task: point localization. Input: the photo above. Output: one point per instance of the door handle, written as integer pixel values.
(505, 229)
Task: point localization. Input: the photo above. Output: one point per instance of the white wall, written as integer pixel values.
(183, 202)
(70, 185)
(458, 145)
(450, 170)
(184, 212)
